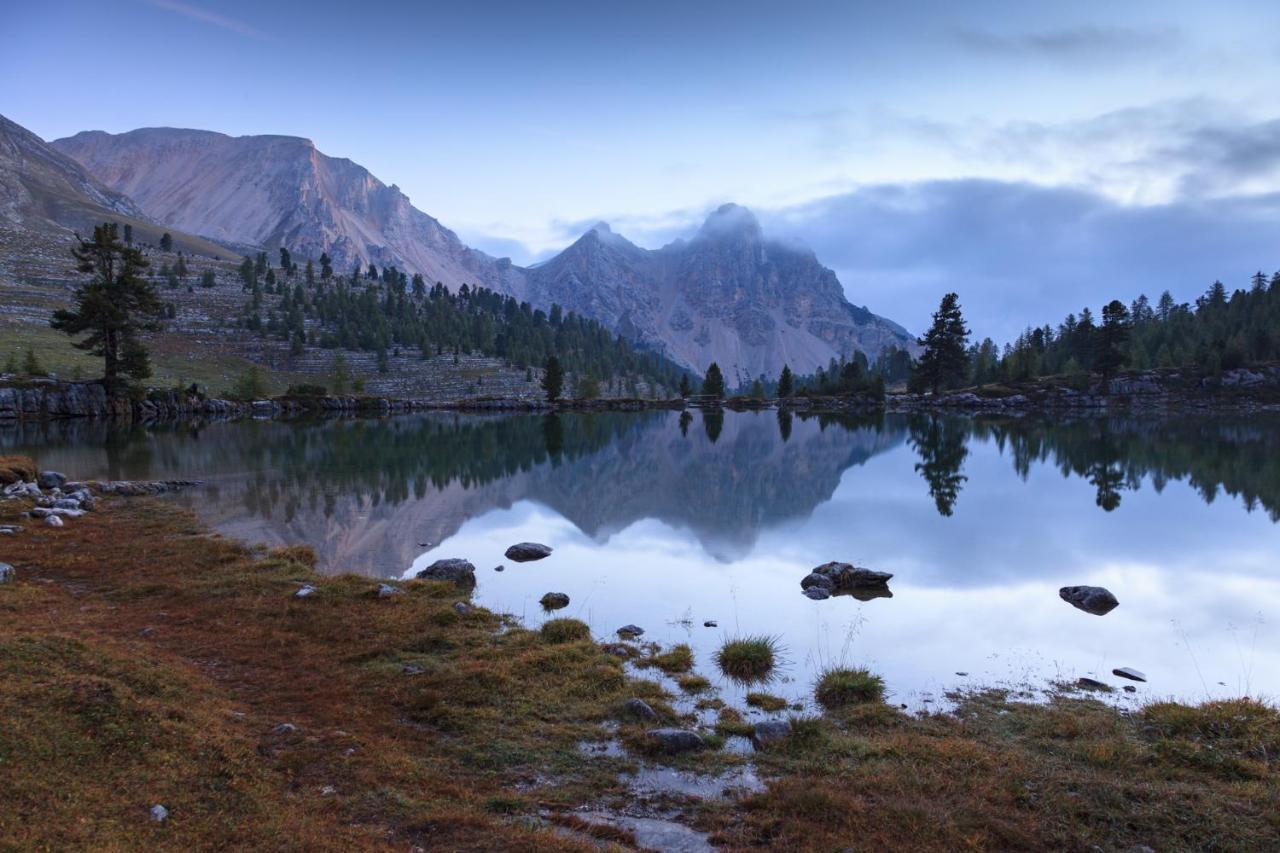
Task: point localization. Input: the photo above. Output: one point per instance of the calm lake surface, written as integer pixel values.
(667, 520)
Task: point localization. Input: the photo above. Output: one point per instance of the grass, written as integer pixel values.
(14, 469)
(838, 688)
(748, 659)
(766, 701)
(677, 659)
(693, 683)
(565, 631)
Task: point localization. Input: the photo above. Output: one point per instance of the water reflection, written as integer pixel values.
(654, 519)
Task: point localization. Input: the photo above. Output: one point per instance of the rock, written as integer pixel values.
(554, 601)
(671, 741)
(630, 631)
(1129, 688)
(386, 590)
(640, 708)
(461, 608)
(846, 576)
(159, 814)
(1093, 684)
(1090, 599)
(525, 552)
(66, 503)
(499, 568)
(306, 591)
(710, 623)
(10, 529)
(770, 732)
(7, 573)
(460, 571)
(813, 580)
(284, 729)
(817, 593)
(1129, 673)
(53, 521)
(412, 669)
(51, 479)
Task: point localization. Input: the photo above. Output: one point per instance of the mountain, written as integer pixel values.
(45, 194)
(730, 294)
(264, 192)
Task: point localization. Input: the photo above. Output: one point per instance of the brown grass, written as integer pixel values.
(14, 469)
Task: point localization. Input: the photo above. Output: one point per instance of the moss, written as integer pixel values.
(839, 688)
(748, 659)
(565, 631)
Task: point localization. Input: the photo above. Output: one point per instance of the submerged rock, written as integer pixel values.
(461, 572)
(1129, 673)
(671, 741)
(770, 732)
(525, 552)
(554, 601)
(630, 631)
(1091, 599)
(639, 708)
(710, 623)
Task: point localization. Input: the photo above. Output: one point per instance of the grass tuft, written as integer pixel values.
(565, 631)
(839, 688)
(677, 659)
(693, 683)
(748, 659)
(766, 701)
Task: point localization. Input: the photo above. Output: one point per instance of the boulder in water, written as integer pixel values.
(1090, 599)
(526, 552)
(554, 601)
(1129, 673)
(671, 741)
(770, 732)
(846, 576)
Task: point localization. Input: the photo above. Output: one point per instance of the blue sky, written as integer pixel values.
(1034, 157)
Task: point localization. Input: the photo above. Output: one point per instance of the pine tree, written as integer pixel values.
(166, 242)
(113, 308)
(945, 362)
(786, 383)
(31, 364)
(1111, 338)
(128, 234)
(553, 379)
(713, 385)
(685, 387)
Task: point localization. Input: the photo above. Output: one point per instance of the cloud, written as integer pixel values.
(195, 13)
(1074, 44)
(1023, 254)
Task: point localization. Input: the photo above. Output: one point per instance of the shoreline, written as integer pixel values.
(1240, 391)
(355, 718)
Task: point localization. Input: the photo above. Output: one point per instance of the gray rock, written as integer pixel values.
(386, 590)
(1129, 688)
(306, 591)
(710, 623)
(1090, 599)
(10, 529)
(412, 669)
(554, 601)
(1129, 673)
(639, 708)
(817, 593)
(770, 732)
(846, 576)
(159, 814)
(499, 568)
(66, 503)
(461, 608)
(672, 741)
(7, 573)
(630, 631)
(53, 521)
(51, 479)
(1093, 684)
(813, 580)
(284, 729)
(461, 572)
(525, 552)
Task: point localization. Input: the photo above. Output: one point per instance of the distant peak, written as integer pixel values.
(602, 228)
(729, 220)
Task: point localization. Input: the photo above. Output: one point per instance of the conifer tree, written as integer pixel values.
(713, 384)
(945, 362)
(166, 242)
(786, 382)
(553, 379)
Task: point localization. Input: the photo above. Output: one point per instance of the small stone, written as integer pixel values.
(7, 573)
(525, 552)
(284, 729)
(672, 741)
(159, 814)
(53, 521)
(630, 631)
(306, 591)
(962, 674)
(413, 669)
(1129, 688)
(817, 593)
(1129, 673)
(813, 579)
(386, 590)
(328, 791)
(770, 732)
(461, 608)
(554, 601)
(1093, 684)
(66, 503)
(499, 568)
(1090, 599)
(710, 623)
(51, 479)
(639, 708)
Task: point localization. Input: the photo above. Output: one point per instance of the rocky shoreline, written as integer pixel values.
(1158, 391)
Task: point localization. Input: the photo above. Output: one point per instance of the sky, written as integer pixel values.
(1033, 157)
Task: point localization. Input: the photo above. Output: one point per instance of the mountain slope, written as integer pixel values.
(728, 295)
(272, 191)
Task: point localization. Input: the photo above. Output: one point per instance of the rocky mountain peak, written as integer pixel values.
(731, 222)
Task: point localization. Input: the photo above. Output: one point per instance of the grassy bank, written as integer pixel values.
(144, 661)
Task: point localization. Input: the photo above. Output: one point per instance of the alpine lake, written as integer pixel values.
(698, 526)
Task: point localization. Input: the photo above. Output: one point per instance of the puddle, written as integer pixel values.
(654, 833)
(657, 781)
(601, 749)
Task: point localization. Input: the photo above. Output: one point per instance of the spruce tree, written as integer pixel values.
(945, 362)
(786, 382)
(553, 379)
(1111, 338)
(166, 242)
(113, 308)
(685, 387)
(713, 385)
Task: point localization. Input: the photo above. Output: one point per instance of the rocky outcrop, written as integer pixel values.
(460, 572)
